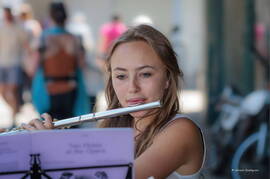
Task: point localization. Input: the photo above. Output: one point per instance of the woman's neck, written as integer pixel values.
(140, 124)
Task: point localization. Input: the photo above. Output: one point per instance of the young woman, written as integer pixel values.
(142, 68)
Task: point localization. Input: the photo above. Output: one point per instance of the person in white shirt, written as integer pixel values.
(13, 43)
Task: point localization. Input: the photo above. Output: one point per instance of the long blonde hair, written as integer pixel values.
(170, 103)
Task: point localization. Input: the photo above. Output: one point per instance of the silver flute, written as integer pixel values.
(91, 117)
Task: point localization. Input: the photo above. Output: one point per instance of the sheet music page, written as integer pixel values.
(84, 147)
(14, 152)
(66, 149)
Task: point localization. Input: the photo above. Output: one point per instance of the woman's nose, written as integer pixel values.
(133, 85)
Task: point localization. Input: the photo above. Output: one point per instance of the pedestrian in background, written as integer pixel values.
(30, 59)
(61, 58)
(109, 32)
(13, 46)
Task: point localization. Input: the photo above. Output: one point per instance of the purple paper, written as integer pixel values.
(73, 148)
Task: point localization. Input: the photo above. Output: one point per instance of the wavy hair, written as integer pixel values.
(170, 103)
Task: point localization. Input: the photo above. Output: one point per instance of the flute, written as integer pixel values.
(91, 117)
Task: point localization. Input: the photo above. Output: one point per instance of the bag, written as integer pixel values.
(60, 61)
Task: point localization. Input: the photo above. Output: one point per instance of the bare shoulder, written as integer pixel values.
(184, 133)
(175, 148)
(180, 127)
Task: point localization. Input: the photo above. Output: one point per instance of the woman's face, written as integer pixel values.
(138, 75)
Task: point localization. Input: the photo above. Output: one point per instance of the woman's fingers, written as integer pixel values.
(38, 124)
(27, 127)
(48, 121)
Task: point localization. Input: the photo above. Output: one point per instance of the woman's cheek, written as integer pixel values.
(120, 93)
(154, 90)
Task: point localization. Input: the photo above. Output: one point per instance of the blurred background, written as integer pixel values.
(223, 48)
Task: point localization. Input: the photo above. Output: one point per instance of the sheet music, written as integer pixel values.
(68, 149)
(14, 152)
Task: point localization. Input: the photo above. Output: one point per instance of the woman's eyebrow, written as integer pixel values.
(145, 66)
(119, 68)
(137, 69)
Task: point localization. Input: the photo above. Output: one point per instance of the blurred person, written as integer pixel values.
(78, 26)
(108, 33)
(142, 68)
(92, 74)
(13, 44)
(30, 62)
(33, 29)
(31, 25)
(61, 58)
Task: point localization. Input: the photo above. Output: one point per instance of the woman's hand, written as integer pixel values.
(37, 124)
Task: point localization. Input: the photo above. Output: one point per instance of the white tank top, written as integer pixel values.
(198, 174)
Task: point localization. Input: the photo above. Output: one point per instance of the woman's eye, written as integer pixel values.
(120, 77)
(146, 75)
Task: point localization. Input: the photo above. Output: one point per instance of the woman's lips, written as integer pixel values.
(135, 102)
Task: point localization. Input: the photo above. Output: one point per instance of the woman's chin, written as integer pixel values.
(139, 114)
